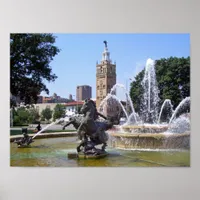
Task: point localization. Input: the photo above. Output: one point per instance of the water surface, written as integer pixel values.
(53, 152)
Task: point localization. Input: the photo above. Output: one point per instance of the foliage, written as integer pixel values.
(24, 116)
(33, 115)
(30, 57)
(20, 116)
(173, 77)
(59, 111)
(136, 91)
(46, 114)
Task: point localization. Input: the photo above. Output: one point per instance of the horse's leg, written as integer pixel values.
(82, 143)
(67, 124)
(104, 146)
(85, 139)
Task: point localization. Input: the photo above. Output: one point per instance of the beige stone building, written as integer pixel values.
(105, 76)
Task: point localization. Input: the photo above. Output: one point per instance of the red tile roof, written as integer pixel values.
(74, 103)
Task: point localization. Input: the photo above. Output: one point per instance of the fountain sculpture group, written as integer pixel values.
(90, 130)
(150, 130)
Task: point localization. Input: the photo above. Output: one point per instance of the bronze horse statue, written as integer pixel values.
(88, 127)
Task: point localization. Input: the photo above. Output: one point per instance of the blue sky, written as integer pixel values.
(76, 63)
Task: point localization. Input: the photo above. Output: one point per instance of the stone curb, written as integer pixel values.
(46, 135)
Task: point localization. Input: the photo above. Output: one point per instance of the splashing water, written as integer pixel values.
(46, 127)
(181, 105)
(127, 94)
(180, 125)
(165, 103)
(111, 96)
(113, 90)
(150, 97)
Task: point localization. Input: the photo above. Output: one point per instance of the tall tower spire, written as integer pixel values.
(106, 53)
(105, 75)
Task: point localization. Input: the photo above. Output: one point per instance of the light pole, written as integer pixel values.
(76, 103)
(77, 106)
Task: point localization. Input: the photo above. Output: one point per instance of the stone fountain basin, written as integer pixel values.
(145, 128)
(46, 135)
(150, 141)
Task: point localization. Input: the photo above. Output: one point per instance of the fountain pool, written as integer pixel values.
(53, 152)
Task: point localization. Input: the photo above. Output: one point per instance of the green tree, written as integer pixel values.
(173, 77)
(46, 114)
(136, 91)
(59, 111)
(21, 116)
(30, 57)
(33, 115)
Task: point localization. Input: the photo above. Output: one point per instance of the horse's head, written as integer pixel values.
(88, 105)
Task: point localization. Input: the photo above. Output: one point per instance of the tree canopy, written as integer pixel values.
(25, 116)
(46, 114)
(30, 58)
(173, 78)
(59, 111)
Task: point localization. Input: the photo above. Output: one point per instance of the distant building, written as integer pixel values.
(41, 106)
(73, 106)
(83, 92)
(70, 97)
(47, 100)
(55, 99)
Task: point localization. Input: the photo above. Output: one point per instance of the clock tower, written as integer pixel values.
(105, 76)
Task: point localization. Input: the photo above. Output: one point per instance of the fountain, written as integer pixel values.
(145, 131)
(159, 136)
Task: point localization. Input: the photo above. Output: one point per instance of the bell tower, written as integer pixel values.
(105, 76)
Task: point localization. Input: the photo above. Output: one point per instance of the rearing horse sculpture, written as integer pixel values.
(87, 127)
